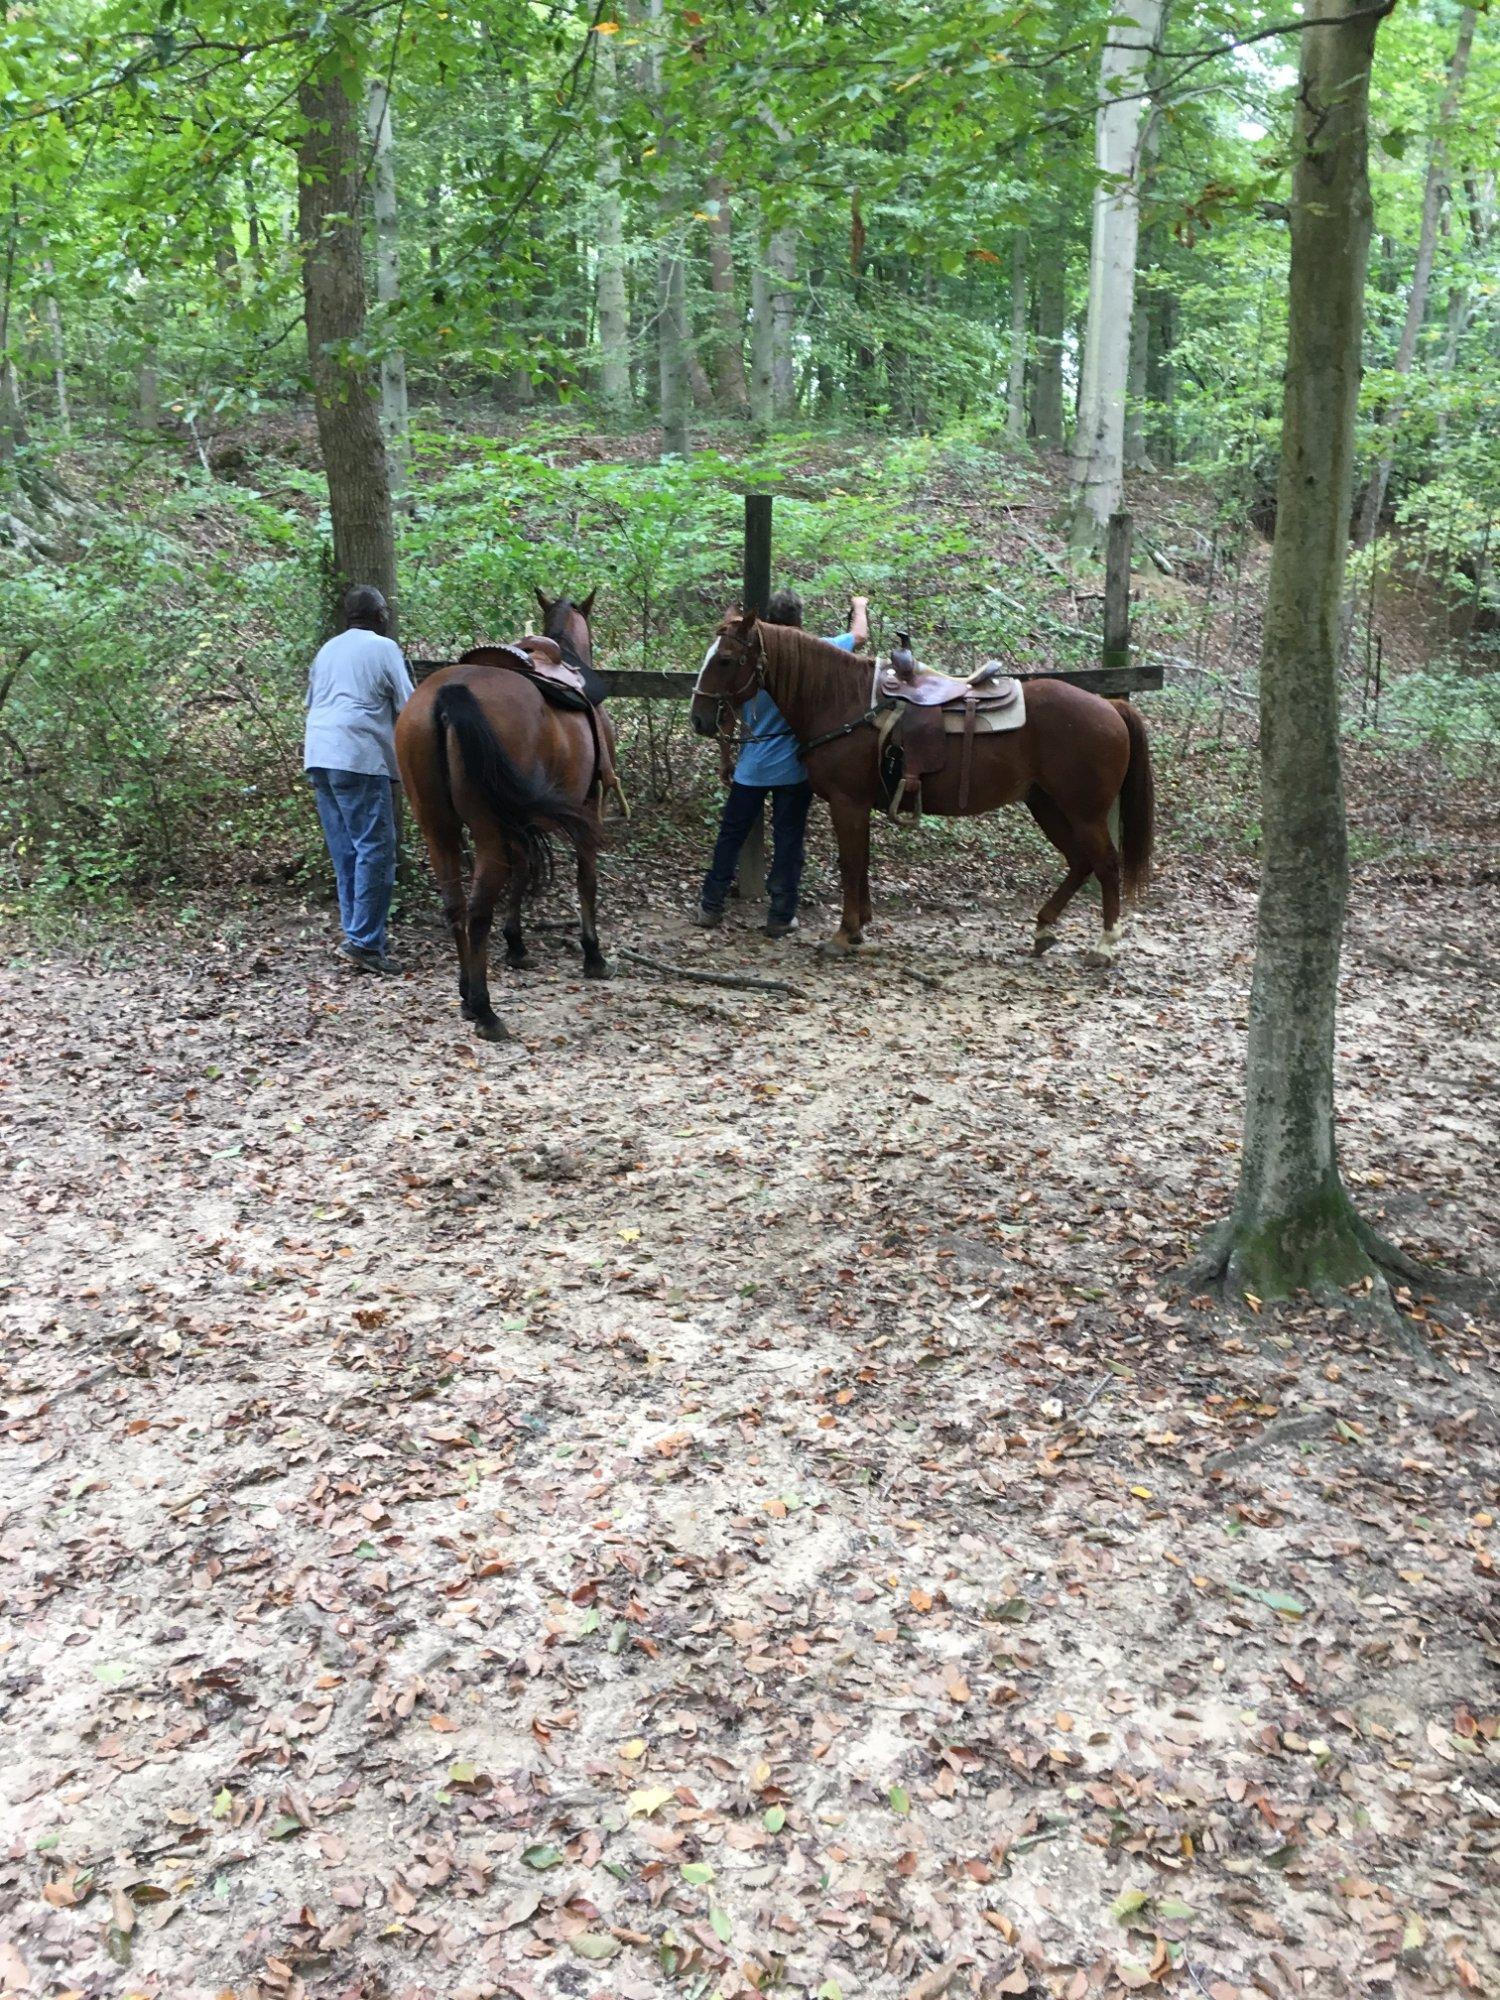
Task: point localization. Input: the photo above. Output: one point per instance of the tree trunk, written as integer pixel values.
(1160, 375)
(12, 416)
(762, 373)
(432, 210)
(393, 407)
(672, 345)
(148, 390)
(53, 317)
(1293, 1226)
(730, 392)
(1098, 450)
(1015, 373)
(781, 258)
(613, 300)
(773, 385)
(1047, 368)
(1421, 279)
(672, 330)
(1137, 458)
(699, 386)
(333, 295)
(252, 215)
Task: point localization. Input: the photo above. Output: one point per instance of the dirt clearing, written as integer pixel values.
(728, 1493)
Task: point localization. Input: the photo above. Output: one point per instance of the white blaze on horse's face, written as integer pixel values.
(703, 724)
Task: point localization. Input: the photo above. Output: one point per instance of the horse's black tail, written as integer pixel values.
(1137, 805)
(519, 801)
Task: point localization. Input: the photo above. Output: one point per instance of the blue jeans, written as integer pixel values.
(789, 807)
(359, 824)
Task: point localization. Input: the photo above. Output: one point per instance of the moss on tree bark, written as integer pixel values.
(1293, 1227)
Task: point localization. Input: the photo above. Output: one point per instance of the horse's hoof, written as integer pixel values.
(838, 946)
(598, 968)
(467, 1011)
(518, 961)
(491, 1030)
(1043, 941)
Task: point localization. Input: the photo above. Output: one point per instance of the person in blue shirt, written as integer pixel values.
(770, 764)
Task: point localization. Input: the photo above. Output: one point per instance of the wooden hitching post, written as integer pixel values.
(1117, 592)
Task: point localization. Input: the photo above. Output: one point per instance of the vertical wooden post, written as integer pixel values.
(756, 599)
(757, 586)
(1117, 592)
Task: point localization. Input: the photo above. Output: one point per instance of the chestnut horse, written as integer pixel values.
(480, 747)
(1075, 755)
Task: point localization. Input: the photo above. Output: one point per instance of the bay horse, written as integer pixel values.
(480, 747)
(1072, 759)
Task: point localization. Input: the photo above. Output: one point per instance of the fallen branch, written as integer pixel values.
(1104, 1382)
(1287, 1430)
(876, 956)
(738, 979)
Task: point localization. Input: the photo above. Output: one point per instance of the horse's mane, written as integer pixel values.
(812, 667)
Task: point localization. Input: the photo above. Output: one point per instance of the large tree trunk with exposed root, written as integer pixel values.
(1293, 1226)
(333, 293)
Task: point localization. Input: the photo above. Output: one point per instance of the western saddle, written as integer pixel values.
(563, 683)
(923, 709)
(541, 660)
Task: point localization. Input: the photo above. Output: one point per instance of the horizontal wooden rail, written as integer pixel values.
(650, 682)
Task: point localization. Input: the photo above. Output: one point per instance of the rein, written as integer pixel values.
(833, 735)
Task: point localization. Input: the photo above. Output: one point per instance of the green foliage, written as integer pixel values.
(148, 223)
(149, 728)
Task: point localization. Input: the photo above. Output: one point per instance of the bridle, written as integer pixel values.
(755, 660)
(731, 697)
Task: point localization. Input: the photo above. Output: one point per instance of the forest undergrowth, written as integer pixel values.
(153, 680)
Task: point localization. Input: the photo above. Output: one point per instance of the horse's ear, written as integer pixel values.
(545, 603)
(588, 603)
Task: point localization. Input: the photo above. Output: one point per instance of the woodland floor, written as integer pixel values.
(730, 1491)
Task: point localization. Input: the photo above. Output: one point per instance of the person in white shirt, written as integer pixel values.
(357, 688)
